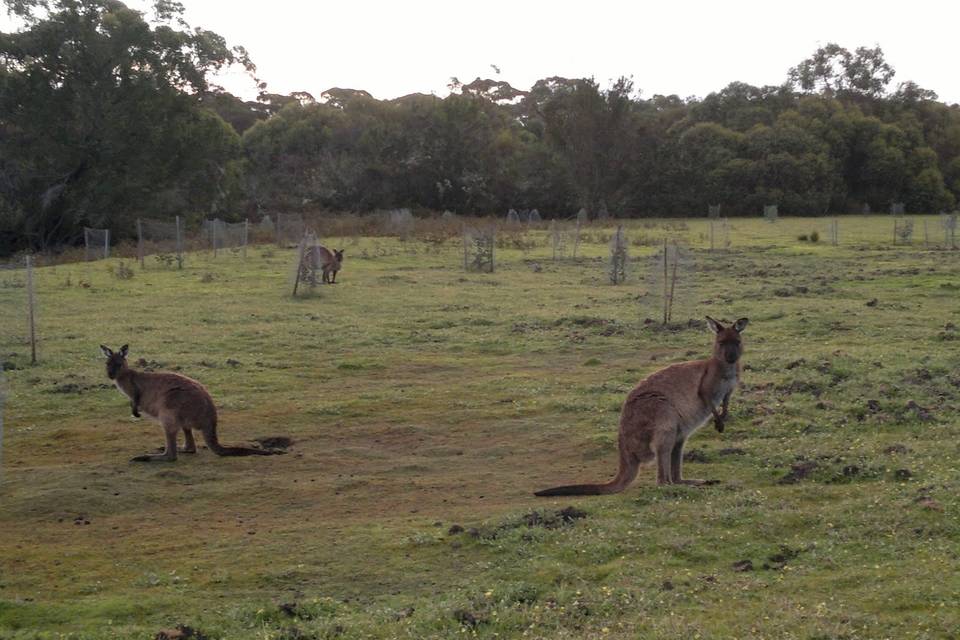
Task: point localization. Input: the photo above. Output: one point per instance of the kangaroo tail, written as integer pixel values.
(210, 437)
(625, 475)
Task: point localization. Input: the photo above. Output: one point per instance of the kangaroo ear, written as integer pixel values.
(106, 351)
(713, 325)
(123, 350)
(740, 325)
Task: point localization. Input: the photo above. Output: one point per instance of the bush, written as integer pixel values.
(815, 236)
(802, 237)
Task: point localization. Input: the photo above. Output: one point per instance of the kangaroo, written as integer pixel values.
(176, 402)
(666, 408)
(330, 262)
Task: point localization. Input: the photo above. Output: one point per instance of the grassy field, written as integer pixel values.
(425, 405)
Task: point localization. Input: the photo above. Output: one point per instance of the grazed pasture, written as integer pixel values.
(425, 405)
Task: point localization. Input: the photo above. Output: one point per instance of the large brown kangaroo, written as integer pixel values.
(666, 408)
(176, 402)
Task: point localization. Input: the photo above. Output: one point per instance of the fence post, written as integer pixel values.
(246, 235)
(31, 311)
(106, 246)
(140, 242)
(179, 245)
(666, 282)
(3, 397)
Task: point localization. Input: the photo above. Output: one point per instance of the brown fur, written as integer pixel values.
(177, 402)
(666, 408)
(329, 261)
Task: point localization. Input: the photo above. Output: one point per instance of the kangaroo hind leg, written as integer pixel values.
(190, 445)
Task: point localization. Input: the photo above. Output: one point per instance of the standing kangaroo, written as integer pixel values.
(176, 402)
(666, 408)
(330, 262)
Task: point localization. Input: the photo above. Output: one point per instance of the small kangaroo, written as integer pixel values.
(330, 262)
(176, 402)
(666, 408)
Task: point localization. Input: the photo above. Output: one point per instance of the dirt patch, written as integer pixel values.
(76, 387)
(798, 472)
(543, 519)
(467, 618)
(275, 442)
(743, 565)
(553, 520)
(779, 560)
(921, 413)
(732, 451)
(695, 455)
(181, 632)
(150, 365)
(896, 448)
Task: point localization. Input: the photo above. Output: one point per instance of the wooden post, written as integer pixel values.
(465, 267)
(296, 280)
(214, 236)
(246, 235)
(179, 245)
(140, 242)
(106, 246)
(490, 238)
(31, 312)
(926, 240)
(711, 235)
(665, 282)
(673, 280)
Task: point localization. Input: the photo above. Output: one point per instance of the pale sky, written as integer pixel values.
(687, 48)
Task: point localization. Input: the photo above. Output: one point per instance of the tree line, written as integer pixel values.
(108, 114)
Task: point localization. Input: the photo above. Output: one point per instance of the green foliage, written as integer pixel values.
(120, 122)
(100, 119)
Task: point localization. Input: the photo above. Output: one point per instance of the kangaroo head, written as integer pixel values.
(338, 255)
(116, 360)
(727, 346)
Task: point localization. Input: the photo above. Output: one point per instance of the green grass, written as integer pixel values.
(420, 397)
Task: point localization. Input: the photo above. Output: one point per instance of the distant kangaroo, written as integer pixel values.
(329, 261)
(666, 408)
(176, 402)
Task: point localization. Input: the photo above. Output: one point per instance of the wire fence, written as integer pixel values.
(619, 256)
(19, 311)
(227, 235)
(289, 229)
(669, 288)
(478, 244)
(162, 239)
(96, 244)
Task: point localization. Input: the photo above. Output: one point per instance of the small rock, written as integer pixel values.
(872, 302)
